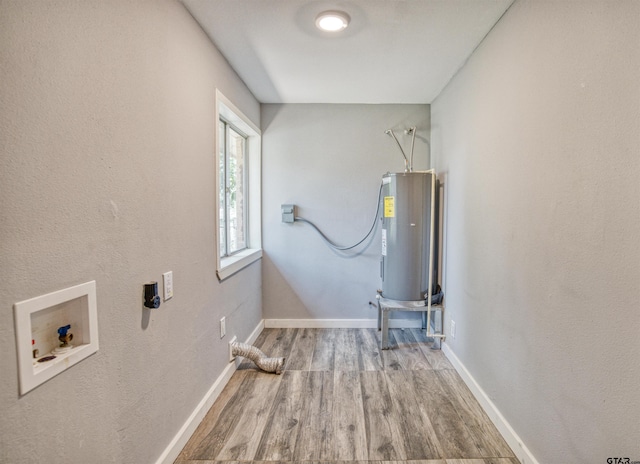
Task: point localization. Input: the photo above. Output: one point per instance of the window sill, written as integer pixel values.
(231, 264)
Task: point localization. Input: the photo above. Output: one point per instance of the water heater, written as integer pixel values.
(408, 221)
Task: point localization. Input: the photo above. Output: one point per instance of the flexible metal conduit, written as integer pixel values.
(337, 247)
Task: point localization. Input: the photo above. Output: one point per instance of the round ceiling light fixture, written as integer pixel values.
(332, 21)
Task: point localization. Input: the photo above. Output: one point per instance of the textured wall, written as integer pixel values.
(107, 173)
(329, 161)
(539, 136)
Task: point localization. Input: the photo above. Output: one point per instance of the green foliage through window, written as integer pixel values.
(232, 189)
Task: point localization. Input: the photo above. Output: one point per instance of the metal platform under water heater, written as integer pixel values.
(408, 267)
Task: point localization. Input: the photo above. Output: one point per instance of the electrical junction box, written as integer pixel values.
(288, 213)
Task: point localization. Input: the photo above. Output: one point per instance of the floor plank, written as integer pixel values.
(384, 436)
(302, 350)
(315, 434)
(369, 358)
(438, 461)
(484, 461)
(410, 356)
(200, 436)
(437, 359)
(484, 433)
(418, 435)
(279, 438)
(226, 421)
(280, 346)
(451, 431)
(350, 440)
(390, 357)
(345, 358)
(324, 350)
(241, 444)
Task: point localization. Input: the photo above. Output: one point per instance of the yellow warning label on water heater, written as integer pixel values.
(389, 207)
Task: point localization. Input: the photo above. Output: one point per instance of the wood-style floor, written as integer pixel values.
(343, 400)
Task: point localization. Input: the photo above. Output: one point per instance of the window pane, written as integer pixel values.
(222, 189)
(236, 192)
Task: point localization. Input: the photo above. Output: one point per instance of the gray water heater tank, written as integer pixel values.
(406, 227)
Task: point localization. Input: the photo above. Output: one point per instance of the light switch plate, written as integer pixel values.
(167, 279)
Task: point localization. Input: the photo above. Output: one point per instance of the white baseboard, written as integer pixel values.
(181, 438)
(511, 437)
(339, 323)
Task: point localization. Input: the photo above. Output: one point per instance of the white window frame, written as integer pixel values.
(229, 265)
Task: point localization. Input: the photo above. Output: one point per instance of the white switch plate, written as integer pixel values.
(223, 327)
(453, 329)
(167, 279)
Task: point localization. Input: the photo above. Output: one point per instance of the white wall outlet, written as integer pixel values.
(232, 341)
(167, 279)
(453, 329)
(223, 327)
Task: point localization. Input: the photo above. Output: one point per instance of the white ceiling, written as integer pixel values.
(394, 51)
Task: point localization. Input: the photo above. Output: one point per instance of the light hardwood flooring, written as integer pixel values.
(343, 400)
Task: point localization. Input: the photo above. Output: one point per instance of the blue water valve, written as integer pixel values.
(63, 336)
(62, 331)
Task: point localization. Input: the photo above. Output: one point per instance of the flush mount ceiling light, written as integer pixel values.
(332, 21)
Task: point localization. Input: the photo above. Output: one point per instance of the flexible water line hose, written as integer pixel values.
(407, 165)
(260, 359)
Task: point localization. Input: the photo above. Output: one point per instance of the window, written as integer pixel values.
(238, 176)
(232, 189)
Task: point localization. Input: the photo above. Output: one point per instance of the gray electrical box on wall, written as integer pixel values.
(288, 213)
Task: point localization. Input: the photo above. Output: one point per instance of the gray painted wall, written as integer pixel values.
(329, 161)
(539, 136)
(107, 173)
